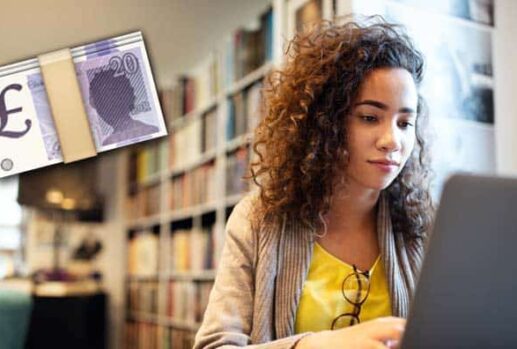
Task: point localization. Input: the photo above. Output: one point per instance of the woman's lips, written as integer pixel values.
(384, 166)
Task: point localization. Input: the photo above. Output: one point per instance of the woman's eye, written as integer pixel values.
(369, 118)
(405, 124)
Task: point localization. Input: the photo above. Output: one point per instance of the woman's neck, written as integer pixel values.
(353, 210)
(352, 227)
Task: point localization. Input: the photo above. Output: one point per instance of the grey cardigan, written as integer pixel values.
(260, 278)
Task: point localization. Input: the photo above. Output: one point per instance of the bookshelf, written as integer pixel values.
(181, 189)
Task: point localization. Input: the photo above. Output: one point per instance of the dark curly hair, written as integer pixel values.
(301, 143)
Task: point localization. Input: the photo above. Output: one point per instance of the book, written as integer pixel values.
(236, 167)
(142, 258)
(194, 187)
(254, 105)
(188, 301)
(209, 131)
(142, 297)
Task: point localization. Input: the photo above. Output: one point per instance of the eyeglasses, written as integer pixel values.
(355, 289)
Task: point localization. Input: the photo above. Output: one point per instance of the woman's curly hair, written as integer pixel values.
(301, 143)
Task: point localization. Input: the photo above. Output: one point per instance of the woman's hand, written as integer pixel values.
(381, 333)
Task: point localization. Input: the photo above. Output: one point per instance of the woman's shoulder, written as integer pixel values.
(239, 222)
(244, 224)
(243, 210)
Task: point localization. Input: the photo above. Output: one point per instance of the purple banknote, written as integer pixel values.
(118, 94)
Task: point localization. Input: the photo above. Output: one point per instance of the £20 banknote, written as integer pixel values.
(118, 94)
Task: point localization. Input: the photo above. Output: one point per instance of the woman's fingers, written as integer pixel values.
(392, 344)
(373, 344)
(387, 329)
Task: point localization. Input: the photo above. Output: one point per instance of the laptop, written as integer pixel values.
(466, 296)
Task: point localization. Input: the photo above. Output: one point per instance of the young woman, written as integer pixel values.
(326, 254)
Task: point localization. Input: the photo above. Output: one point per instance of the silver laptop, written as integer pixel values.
(466, 295)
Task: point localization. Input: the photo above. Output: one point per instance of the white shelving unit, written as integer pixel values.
(166, 217)
(218, 208)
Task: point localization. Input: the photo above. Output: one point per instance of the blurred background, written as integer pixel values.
(120, 250)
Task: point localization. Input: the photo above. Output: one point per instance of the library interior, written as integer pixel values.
(122, 249)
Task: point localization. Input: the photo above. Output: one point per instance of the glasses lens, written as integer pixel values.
(345, 320)
(355, 288)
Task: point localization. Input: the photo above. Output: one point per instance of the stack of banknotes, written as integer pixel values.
(118, 93)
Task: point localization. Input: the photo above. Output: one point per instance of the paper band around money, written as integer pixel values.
(66, 104)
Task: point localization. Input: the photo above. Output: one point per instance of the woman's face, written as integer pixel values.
(381, 128)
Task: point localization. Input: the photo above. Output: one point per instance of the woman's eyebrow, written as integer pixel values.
(383, 106)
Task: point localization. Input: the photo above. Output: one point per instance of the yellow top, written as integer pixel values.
(322, 300)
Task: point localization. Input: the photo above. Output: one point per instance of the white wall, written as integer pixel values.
(505, 71)
(178, 33)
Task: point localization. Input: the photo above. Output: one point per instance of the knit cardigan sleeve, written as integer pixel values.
(228, 319)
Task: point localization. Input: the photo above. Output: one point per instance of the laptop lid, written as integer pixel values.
(466, 295)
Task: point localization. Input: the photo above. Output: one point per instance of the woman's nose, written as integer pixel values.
(389, 140)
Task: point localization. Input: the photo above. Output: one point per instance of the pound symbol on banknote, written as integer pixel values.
(4, 115)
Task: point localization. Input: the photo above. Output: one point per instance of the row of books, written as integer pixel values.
(195, 187)
(171, 101)
(142, 254)
(142, 296)
(188, 143)
(146, 160)
(244, 111)
(144, 202)
(207, 81)
(188, 300)
(185, 144)
(236, 169)
(178, 339)
(147, 335)
(245, 51)
(193, 250)
(249, 48)
(193, 91)
(197, 137)
(143, 335)
(209, 131)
